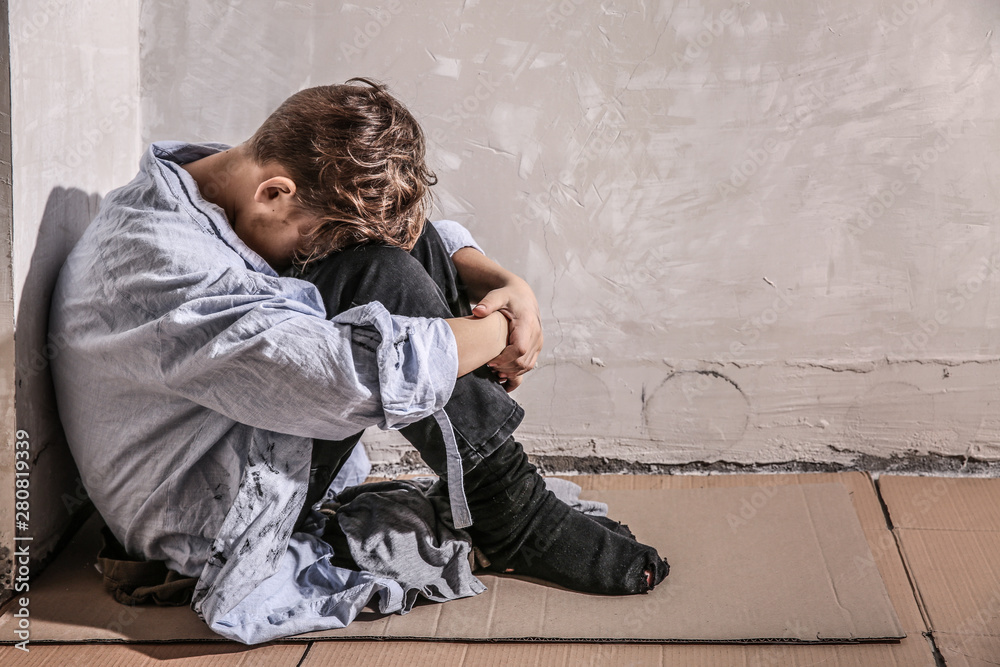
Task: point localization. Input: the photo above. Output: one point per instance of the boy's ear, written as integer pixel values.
(273, 188)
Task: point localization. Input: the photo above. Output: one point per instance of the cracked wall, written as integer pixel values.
(758, 232)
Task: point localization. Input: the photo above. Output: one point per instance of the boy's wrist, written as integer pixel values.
(503, 329)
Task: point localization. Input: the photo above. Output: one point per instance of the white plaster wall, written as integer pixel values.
(758, 231)
(7, 426)
(74, 117)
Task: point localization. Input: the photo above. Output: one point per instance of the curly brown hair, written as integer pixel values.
(356, 156)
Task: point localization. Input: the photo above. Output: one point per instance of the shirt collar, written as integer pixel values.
(167, 157)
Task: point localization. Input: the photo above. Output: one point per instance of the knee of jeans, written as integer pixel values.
(387, 274)
(380, 254)
(361, 259)
(402, 284)
(400, 263)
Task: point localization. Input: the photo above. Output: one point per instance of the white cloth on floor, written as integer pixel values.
(400, 534)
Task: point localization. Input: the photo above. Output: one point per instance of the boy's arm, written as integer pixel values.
(478, 340)
(498, 290)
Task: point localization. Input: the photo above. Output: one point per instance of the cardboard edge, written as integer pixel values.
(480, 640)
(777, 641)
(897, 534)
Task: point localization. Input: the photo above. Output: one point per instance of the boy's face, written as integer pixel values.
(275, 231)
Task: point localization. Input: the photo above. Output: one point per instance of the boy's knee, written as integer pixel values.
(386, 274)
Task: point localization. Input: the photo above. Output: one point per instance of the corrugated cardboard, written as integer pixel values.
(202, 654)
(949, 533)
(968, 650)
(448, 654)
(913, 650)
(766, 562)
(762, 562)
(942, 503)
(420, 654)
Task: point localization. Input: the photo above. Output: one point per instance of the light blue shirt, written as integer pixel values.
(191, 380)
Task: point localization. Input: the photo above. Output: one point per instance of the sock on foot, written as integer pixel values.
(524, 528)
(612, 525)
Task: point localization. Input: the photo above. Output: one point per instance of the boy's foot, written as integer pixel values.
(524, 528)
(612, 525)
(598, 563)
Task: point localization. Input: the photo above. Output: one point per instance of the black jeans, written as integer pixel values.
(421, 283)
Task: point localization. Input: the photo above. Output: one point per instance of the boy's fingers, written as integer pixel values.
(506, 361)
(503, 365)
(487, 305)
(512, 359)
(521, 353)
(524, 350)
(512, 383)
(530, 365)
(511, 363)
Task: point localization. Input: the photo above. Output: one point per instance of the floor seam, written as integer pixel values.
(927, 633)
(304, 654)
(877, 482)
(938, 656)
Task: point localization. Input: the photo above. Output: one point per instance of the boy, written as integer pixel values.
(208, 401)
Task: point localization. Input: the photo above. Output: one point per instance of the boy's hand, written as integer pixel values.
(499, 290)
(517, 302)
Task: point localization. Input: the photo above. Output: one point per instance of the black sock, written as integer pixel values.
(612, 525)
(523, 528)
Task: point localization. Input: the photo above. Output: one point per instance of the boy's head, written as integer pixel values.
(356, 156)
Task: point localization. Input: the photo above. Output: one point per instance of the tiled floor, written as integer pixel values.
(946, 531)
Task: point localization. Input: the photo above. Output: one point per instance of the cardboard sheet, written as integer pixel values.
(773, 563)
(767, 562)
(968, 650)
(949, 533)
(202, 654)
